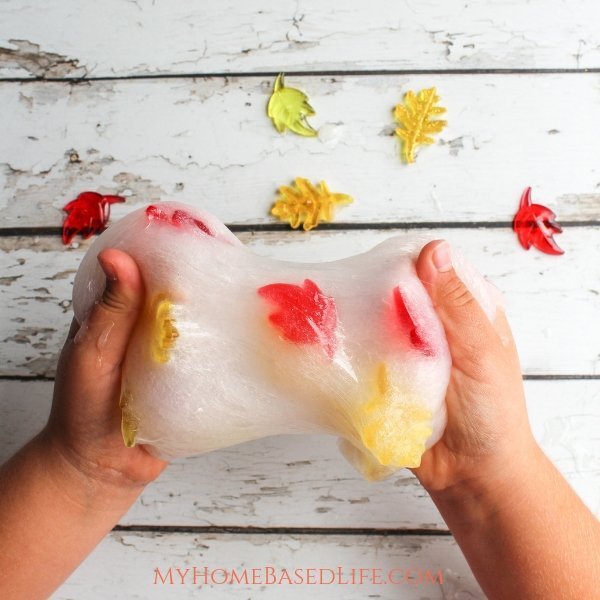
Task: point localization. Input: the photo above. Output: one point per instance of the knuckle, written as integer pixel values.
(114, 302)
(456, 293)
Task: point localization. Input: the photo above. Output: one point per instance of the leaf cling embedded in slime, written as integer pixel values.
(414, 118)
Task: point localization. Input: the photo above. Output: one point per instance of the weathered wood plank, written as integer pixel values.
(127, 562)
(147, 37)
(551, 300)
(303, 481)
(209, 142)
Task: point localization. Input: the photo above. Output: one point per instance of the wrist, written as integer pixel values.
(498, 482)
(93, 490)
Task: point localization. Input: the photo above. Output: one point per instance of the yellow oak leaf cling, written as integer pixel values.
(393, 424)
(288, 109)
(415, 120)
(304, 204)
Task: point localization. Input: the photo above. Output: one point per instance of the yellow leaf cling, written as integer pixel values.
(164, 332)
(288, 109)
(129, 422)
(415, 120)
(304, 204)
(393, 425)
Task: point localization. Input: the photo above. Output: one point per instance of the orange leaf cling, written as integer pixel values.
(305, 315)
(407, 325)
(535, 225)
(178, 218)
(87, 214)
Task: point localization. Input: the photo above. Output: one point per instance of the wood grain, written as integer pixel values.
(144, 37)
(208, 142)
(550, 300)
(126, 561)
(303, 481)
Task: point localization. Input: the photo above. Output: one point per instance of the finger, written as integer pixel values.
(103, 337)
(502, 327)
(468, 330)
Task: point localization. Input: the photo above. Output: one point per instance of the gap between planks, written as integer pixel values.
(322, 73)
(337, 226)
(212, 529)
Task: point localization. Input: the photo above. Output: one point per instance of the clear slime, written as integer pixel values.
(233, 347)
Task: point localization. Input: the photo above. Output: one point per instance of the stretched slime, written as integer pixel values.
(233, 347)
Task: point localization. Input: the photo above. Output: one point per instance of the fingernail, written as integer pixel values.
(441, 258)
(108, 268)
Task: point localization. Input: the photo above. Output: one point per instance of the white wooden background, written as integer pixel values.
(157, 99)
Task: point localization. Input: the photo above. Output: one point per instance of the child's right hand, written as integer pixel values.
(488, 429)
(522, 529)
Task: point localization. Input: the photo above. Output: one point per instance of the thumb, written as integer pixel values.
(102, 340)
(468, 330)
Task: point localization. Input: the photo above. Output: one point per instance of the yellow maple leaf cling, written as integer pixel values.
(164, 332)
(129, 422)
(416, 124)
(304, 204)
(288, 109)
(392, 424)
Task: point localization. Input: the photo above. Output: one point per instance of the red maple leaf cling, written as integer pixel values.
(535, 225)
(178, 218)
(407, 325)
(87, 214)
(305, 315)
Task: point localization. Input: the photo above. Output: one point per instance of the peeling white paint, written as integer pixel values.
(148, 37)
(209, 143)
(542, 292)
(125, 137)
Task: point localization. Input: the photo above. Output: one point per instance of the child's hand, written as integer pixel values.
(487, 429)
(68, 487)
(507, 506)
(85, 422)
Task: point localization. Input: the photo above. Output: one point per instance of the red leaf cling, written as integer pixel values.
(304, 315)
(178, 218)
(87, 214)
(407, 325)
(156, 213)
(535, 225)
